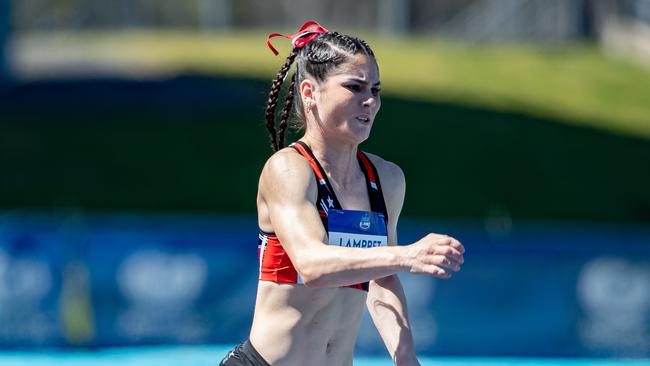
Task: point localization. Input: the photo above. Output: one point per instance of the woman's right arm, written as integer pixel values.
(289, 190)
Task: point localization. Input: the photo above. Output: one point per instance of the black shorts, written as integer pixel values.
(243, 355)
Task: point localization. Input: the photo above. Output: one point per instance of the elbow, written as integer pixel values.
(309, 273)
(310, 278)
(310, 282)
(315, 282)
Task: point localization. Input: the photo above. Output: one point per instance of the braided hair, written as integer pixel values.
(318, 58)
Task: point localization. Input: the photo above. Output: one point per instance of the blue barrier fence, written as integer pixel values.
(526, 289)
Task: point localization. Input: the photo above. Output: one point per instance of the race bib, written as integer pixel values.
(356, 229)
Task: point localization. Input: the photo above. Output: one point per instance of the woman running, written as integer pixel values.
(327, 222)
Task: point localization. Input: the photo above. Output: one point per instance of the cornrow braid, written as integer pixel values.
(366, 47)
(352, 44)
(346, 40)
(274, 94)
(284, 117)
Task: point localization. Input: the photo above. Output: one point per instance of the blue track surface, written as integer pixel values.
(211, 355)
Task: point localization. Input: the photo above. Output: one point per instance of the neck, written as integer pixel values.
(339, 160)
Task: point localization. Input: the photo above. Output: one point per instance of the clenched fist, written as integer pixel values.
(435, 254)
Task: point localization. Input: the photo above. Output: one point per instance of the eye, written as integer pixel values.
(375, 91)
(354, 87)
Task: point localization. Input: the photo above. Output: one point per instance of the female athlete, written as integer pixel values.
(327, 215)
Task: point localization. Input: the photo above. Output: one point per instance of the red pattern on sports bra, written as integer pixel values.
(371, 174)
(312, 162)
(275, 264)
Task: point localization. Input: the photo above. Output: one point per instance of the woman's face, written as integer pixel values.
(346, 103)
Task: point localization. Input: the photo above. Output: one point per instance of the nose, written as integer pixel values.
(370, 101)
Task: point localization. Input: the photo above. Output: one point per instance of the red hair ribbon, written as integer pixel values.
(307, 32)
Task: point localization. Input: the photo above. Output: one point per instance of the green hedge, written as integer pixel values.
(78, 146)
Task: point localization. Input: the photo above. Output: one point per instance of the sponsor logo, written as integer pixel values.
(230, 354)
(364, 224)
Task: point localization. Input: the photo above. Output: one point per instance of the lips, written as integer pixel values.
(363, 118)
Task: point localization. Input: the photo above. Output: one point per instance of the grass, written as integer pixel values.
(577, 84)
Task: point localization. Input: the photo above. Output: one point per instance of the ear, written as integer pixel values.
(308, 92)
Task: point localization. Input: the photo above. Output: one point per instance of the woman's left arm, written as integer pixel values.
(386, 301)
(387, 306)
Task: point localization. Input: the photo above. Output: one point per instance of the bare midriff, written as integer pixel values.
(297, 325)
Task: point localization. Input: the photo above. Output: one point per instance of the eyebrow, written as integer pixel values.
(360, 81)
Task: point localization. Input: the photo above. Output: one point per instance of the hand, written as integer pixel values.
(437, 255)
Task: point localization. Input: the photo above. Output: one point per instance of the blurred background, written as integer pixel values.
(132, 137)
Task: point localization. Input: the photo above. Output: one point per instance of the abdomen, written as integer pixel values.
(294, 324)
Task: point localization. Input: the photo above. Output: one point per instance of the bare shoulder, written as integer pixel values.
(285, 160)
(286, 172)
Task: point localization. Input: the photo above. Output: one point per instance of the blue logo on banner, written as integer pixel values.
(359, 222)
(364, 224)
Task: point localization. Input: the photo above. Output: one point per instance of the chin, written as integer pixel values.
(356, 134)
(359, 137)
